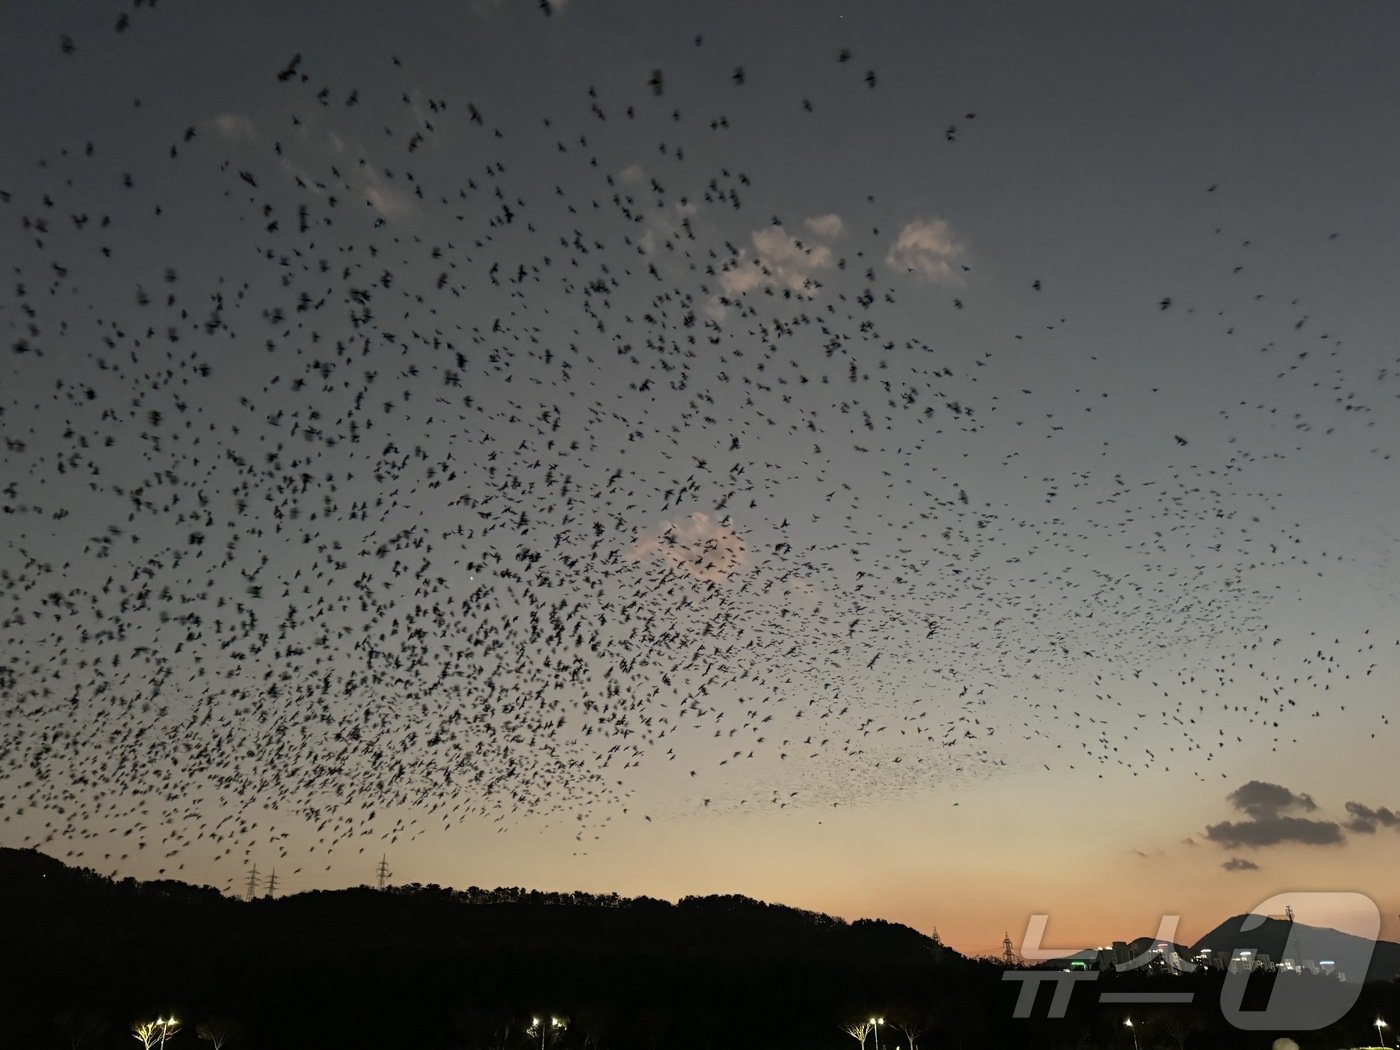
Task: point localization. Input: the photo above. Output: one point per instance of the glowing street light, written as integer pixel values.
(1380, 1034)
(875, 1023)
(537, 1023)
(1129, 1023)
(152, 1034)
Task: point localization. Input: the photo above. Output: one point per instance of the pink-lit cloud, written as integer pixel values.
(779, 260)
(826, 225)
(696, 544)
(234, 126)
(927, 248)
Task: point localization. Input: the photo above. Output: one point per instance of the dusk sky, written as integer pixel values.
(928, 462)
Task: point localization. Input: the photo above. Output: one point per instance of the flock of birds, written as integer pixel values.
(353, 496)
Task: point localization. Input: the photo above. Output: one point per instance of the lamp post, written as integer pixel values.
(165, 1026)
(1129, 1023)
(876, 1022)
(1380, 1034)
(536, 1022)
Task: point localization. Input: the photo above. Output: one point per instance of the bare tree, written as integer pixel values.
(546, 1029)
(154, 1033)
(1176, 1025)
(592, 1022)
(217, 1030)
(859, 1031)
(79, 1025)
(913, 1026)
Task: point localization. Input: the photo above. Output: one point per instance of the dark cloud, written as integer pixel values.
(1261, 799)
(1270, 823)
(1273, 830)
(1364, 819)
(1239, 864)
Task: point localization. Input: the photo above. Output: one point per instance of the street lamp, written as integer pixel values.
(876, 1022)
(1129, 1023)
(166, 1023)
(536, 1022)
(1379, 1034)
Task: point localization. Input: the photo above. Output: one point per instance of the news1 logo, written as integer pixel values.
(1306, 1006)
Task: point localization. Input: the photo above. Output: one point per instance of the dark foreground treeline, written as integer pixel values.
(82, 958)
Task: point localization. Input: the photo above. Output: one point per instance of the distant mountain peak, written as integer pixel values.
(1282, 938)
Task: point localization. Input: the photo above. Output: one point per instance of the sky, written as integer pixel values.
(928, 462)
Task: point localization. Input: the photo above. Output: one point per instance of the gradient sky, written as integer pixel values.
(418, 454)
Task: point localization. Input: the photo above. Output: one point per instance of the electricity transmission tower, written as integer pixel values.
(383, 873)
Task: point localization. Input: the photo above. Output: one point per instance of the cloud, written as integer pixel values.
(779, 260)
(697, 544)
(826, 225)
(388, 202)
(1269, 824)
(1271, 831)
(234, 126)
(305, 153)
(1261, 799)
(1239, 864)
(666, 226)
(1364, 819)
(928, 248)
